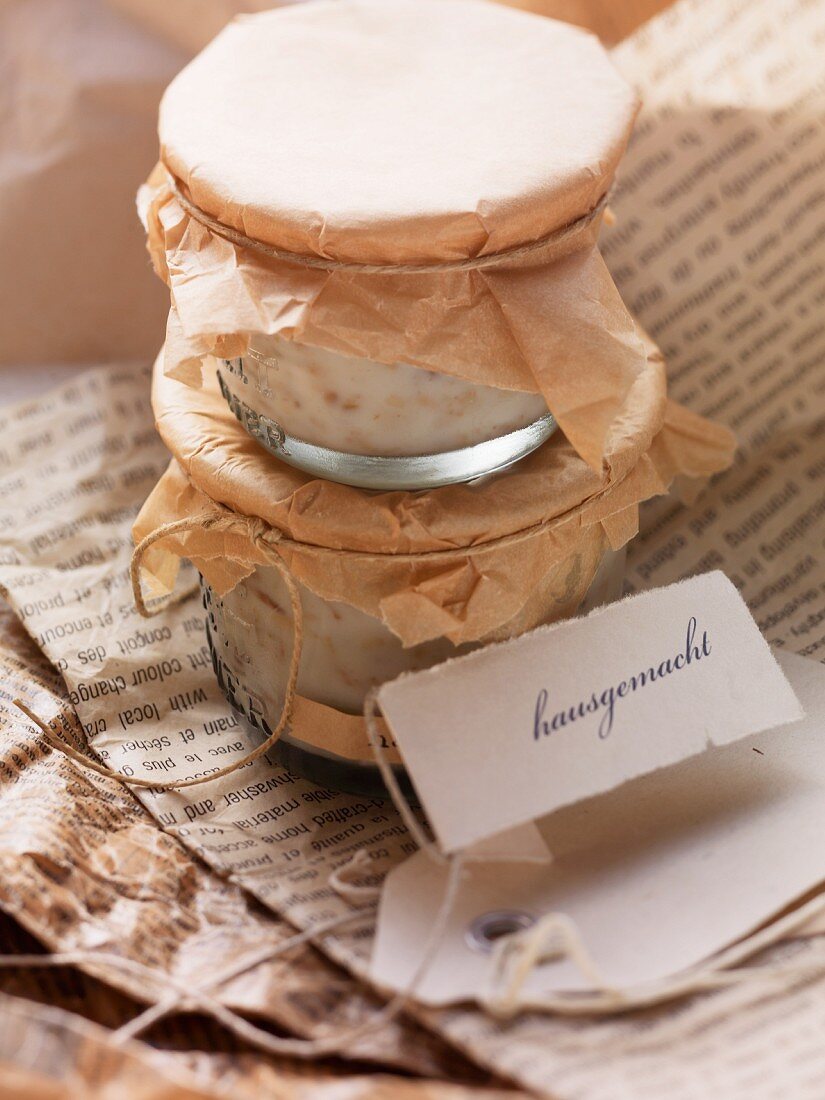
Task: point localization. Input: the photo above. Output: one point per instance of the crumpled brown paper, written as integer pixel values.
(298, 155)
(47, 1053)
(570, 512)
(84, 867)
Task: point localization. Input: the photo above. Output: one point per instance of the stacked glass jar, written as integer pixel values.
(378, 224)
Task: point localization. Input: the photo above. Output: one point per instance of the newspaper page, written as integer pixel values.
(719, 232)
(720, 251)
(85, 867)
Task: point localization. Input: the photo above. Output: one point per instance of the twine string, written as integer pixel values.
(399, 800)
(546, 243)
(204, 999)
(187, 995)
(716, 975)
(514, 958)
(218, 522)
(200, 998)
(344, 880)
(514, 962)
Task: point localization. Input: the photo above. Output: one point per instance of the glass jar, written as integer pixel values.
(375, 425)
(345, 653)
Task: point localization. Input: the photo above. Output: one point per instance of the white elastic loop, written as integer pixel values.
(516, 956)
(355, 893)
(509, 976)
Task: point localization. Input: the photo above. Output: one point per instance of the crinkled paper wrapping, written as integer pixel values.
(526, 121)
(47, 1053)
(84, 867)
(465, 597)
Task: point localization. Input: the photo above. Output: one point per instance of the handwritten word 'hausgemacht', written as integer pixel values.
(606, 700)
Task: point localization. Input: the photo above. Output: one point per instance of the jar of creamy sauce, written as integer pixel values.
(376, 425)
(345, 653)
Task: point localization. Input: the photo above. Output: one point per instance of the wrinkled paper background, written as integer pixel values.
(725, 159)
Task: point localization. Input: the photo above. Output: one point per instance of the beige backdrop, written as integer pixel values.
(80, 82)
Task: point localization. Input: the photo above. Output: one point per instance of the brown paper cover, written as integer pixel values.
(416, 130)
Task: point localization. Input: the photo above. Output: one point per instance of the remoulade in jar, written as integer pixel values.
(379, 223)
(376, 425)
(345, 653)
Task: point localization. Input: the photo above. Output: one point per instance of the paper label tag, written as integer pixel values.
(655, 876)
(509, 733)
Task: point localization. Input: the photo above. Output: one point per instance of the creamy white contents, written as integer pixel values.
(361, 407)
(345, 652)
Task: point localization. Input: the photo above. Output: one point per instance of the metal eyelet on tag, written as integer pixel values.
(485, 930)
